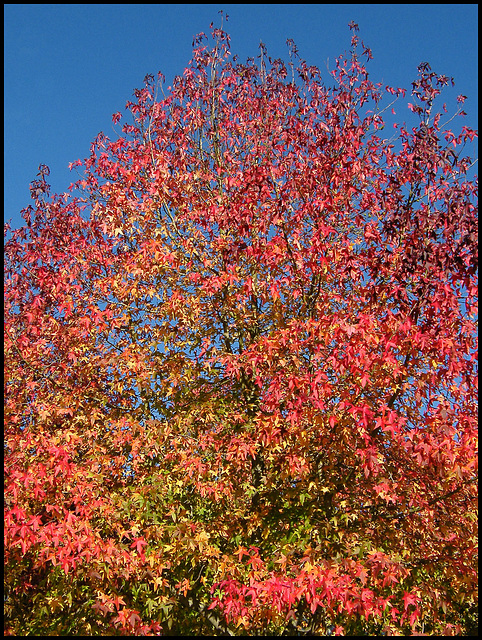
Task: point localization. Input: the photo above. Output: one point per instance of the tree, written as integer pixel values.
(240, 365)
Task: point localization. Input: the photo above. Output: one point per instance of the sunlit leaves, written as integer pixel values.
(240, 365)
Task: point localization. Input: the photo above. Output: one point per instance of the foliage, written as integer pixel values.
(240, 365)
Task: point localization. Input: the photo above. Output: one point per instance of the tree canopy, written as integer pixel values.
(240, 363)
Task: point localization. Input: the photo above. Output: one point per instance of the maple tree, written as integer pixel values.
(240, 364)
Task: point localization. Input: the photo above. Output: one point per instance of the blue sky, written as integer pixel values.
(69, 67)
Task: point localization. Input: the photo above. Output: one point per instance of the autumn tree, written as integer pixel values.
(240, 363)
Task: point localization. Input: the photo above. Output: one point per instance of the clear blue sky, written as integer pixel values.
(69, 67)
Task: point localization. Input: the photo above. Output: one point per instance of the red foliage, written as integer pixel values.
(240, 365)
